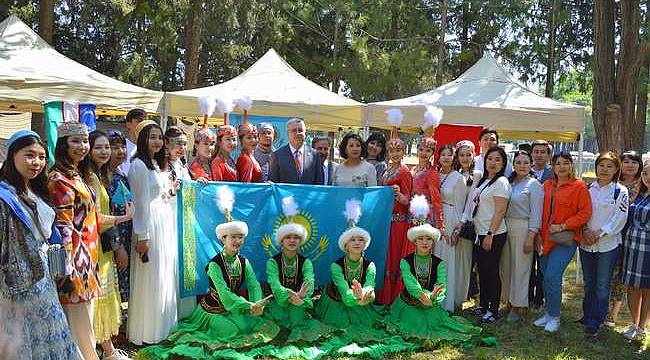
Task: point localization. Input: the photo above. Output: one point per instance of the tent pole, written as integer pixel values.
(581, 146)
(164, 113)
(366, 128)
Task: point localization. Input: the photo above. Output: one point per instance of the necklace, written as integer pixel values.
(289, 271)
(353, 273)
(423, 269)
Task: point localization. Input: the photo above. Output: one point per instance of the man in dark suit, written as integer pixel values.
(322, 145)
(296, 163)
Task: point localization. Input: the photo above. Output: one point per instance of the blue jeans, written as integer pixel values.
(597, 268)
(553, 265)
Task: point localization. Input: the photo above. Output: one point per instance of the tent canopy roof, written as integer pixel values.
(33, 72)
(276, 89)
(486, 94)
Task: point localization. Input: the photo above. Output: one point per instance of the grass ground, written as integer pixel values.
(522, 340)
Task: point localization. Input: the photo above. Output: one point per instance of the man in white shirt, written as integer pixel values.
(133, 118)
(487, 139)
(322, 145)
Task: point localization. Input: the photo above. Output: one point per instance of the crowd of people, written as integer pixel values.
(99, 228)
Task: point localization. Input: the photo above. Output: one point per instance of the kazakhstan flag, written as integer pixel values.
(260, 206)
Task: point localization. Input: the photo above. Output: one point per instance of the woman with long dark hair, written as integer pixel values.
(154, 272)
(567, 208)
(76, 219)
(376, 144)
(223, 166)
(31, 308)
(248, 169)
(120, 195)
(489, 203)
(636, 263)
(453, 190)
(107, 306)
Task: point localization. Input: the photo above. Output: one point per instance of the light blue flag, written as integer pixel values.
(260, 206)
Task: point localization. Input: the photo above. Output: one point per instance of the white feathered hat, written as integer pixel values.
(420, 210)
(290, 209)
(225, 201)
(352, 214)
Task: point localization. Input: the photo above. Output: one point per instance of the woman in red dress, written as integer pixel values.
(426, 181)
(204, 142)
(223, 167)
(399, 177)
(248, 168)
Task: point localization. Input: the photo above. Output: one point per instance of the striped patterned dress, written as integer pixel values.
(636, 263)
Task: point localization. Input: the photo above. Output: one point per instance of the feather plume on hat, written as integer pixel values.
(225, 202)
(225, 105)
(432, 119)
(245, 103)
(420, 210)
(352, 214)
(290, 210)
(207, 105)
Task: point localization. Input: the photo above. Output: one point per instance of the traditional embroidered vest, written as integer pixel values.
(292, 282)
(211, 302)
(427, 283)
(333, 291)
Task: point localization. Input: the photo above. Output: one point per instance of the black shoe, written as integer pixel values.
(591, 331)
(479, 311)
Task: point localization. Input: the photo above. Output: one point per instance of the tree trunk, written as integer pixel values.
(335, 48)
(441, 43)
(192, 44)
(644, 78)
(46, 20)
(550, 51)
(142, 47)
(608, 132)
(627, 75)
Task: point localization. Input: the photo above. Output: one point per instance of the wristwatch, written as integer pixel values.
(489, 233)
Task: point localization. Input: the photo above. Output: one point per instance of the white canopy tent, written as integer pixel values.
(276, 89)
(33, 72)
(486, 94)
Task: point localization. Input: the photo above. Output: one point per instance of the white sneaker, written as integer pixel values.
(552, 324)
(630, 332)
(541, 322)
(117, 355)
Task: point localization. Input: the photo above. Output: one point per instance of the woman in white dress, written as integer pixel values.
(154, 273)
(176, 145)
(453, 190)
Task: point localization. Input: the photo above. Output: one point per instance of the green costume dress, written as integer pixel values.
(360, 324)
(410, 318)
(222, 322)
(284, 274)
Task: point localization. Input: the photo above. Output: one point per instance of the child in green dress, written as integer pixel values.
(224, 321)
(291, 279)
(418, 311)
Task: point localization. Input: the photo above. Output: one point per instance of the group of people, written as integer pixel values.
(99, 228)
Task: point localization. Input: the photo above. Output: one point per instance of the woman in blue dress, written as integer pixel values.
(31, 317)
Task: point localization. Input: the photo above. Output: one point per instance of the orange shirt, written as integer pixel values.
(572, 205)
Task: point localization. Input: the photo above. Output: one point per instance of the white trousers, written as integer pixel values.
(515, 264)
(80, 319)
